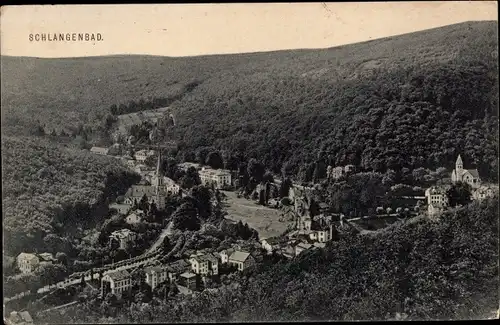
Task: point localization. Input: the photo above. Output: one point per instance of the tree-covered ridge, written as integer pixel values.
(404, 101)
(51, 189)
(412, 117)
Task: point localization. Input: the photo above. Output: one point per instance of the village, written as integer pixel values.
(196, 270)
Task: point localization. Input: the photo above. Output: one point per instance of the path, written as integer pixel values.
(61, 306)
(166, 232)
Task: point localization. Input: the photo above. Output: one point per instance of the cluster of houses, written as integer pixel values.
(437, 199)
(186, 273)
(28, 262)
(219, 178)
(154, 185)
(310, 233)
(19, 318)
(339, 171)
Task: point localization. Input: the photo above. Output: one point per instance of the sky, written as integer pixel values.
(199, 29)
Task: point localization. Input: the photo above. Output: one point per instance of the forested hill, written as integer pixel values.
(406, 101)
(53, 192)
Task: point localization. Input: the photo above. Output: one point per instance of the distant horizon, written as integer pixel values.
(245, 53)
(194, 30)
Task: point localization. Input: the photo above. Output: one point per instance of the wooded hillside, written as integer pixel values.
(48, 189)
(415, 100)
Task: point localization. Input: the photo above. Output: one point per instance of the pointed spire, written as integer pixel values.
(158, 164)
(459, 160)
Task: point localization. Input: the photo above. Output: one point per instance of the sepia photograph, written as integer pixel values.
(250, 162)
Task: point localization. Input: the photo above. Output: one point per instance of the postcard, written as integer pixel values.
(278, 162)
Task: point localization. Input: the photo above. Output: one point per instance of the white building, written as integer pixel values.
(116, 282)
(204, 264)
(19, 318)
(142, 155)
(224, 255)
(99, 150)
(135, 217)
(220, 178)
(124, 237)
(242, 260)
(483, 192)
(272, 244)
(437, 200)
(156, 275)
(27, 263)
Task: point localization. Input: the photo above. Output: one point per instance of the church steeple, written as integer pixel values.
(459, 164)
(159, 173)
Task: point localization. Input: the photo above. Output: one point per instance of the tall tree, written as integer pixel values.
(459, 194)
(256, 170)
(214, 160)
(185, 217)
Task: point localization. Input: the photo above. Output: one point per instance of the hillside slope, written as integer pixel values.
(405, 101)
(51, 190)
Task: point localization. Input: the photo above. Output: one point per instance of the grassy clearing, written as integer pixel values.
(263, 219)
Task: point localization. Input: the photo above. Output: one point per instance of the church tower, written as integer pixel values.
(459, 166)
(158, 180)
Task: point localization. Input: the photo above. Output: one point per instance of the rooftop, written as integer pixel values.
(119, 275)
(145, 152)
(178, 266)
(46, 256)
(215, 172)
(122, 233)
(239, 256)
(27, 256)
(156, 269)
(188, 275)
(473, 172)
(26, 316)
(99, 150)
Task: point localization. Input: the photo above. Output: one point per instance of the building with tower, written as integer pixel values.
(155, 192)
(469, 176)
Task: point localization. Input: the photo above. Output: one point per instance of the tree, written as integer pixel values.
(459, 194)
(268, 177)
(202, 153)
(190, 179)
(169, 167)
(202, 198)
(50, 273)
(166, 244)
(143, 203)
(185, 217)
(62, 258)
(285, 186)
(255, 170)
(389, 178)
(419, 174)
(214, 160)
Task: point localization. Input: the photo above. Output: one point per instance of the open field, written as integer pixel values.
(125, 121)
(262, 219)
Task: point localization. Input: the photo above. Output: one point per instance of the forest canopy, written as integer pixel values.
(409, 101)
(52, 190)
